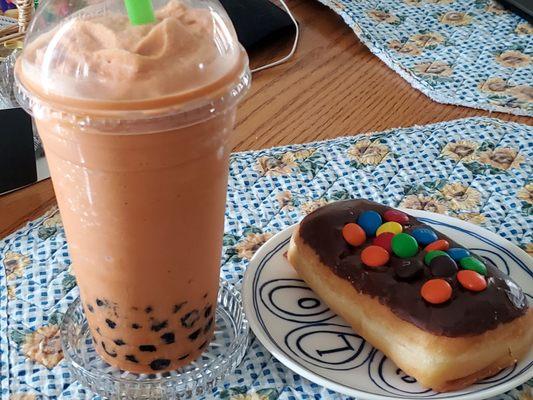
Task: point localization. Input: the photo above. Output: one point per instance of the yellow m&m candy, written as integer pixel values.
(392, 227)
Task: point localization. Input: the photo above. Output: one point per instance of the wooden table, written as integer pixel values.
(334, 86)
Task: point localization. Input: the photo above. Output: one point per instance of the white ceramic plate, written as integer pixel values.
(301, 332)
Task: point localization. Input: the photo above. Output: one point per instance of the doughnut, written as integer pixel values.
(442, 314)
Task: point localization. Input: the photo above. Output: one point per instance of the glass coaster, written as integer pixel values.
(222, 356)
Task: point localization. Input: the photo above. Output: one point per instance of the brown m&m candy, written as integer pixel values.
(443, 267)
(406, 270)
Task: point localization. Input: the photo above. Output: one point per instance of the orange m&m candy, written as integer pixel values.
(375, 256)
(471, 280)
(440, 244)
(436, 291)
(353, 234)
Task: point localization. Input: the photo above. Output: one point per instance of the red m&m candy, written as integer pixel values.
(384, 240)
(354, 234)
(375, 256)
(440, 244)
(396, 216)
(436, 291)
(471, 280)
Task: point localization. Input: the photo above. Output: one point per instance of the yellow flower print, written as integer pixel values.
(495, 8)
(284, 200)
(474, 218)
(421, 202)
(463, 150)
(338, 4)
(513, 59)
(455, 18)
(251, 243)
(250, 396)
(494, 85)
(502, 158)
(427, 39)
(14, 264)
(524, 29)
(302, 154)
(310, 206)
(526, 193)
(53, 221)
(440, 1)
(382, 16)
(522, 92)
(22, 396)
(11, 292)
(44, 346)
(461, 197)
(415, 3)
(435, 68)
(367, 152)
(272, 166)
(404, 48)
(529, 249)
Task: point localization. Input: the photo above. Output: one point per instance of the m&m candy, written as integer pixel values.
(424, 236)
(471, 280)
(440, 244)
(436, 291)
(384, 240)
(393, 227)
(457, 253)
(353, 234)
(404, 245)
(406, 270)
(370, 221)
(375, 256)
(473, 264)
(442, 267)
(432, 254)
(396, 216)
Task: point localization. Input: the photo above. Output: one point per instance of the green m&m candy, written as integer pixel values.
(432, 254)
(473, 264)
(404, 245)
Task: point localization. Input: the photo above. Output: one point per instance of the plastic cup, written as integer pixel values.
(136, 123)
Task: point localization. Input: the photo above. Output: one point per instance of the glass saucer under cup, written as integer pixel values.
(223, 354)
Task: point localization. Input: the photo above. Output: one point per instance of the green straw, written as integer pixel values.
(140, 12)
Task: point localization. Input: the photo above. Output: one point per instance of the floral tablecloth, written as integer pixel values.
(469, 52)
(479, 170)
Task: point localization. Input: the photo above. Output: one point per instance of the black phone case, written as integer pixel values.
(256, 20)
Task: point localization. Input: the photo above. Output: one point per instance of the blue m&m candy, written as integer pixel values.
(370, 221)
(456, 253)
(424, 236)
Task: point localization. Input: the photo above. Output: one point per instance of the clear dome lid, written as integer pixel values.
(88, 54)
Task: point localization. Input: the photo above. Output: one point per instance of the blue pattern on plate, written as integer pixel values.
(476, 169)
(467, 52)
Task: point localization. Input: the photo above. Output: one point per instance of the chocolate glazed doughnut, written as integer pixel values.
(442, 325)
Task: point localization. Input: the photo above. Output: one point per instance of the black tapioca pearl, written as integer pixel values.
(147, 347)
(110, 323)
(109, 353)
(205, 295)
(159, 364)
(135, 308)
(195, 334)
(207, 311)
(119, 342)
(100, 303)
(148, 310)
(208, 325)
(90, 308)
(183, 357)
(189, 319)
(132, 358)
(98, 331)
(178, 307)
(159, 325)
(136, 326)
(202, 345)
(168, 337)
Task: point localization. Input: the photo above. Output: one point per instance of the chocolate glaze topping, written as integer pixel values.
(465, 314)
